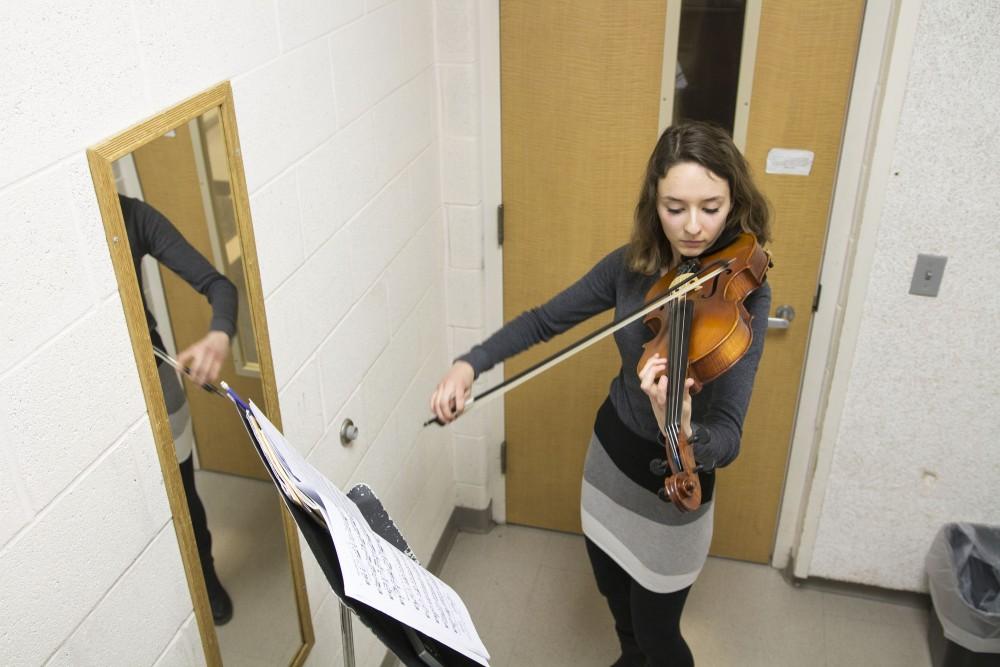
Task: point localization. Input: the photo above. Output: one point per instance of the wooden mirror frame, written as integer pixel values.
(101, 157)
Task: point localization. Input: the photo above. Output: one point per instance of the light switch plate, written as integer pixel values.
(927, 275)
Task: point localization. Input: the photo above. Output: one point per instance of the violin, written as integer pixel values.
(701, 335)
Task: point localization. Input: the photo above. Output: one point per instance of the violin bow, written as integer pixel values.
(690, 284)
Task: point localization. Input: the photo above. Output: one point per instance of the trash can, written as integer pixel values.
(963, 574)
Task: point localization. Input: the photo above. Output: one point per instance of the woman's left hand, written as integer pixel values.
(657, 392)
(203, 360)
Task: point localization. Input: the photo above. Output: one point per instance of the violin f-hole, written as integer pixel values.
(712, 289)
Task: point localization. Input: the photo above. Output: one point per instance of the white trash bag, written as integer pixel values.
(963, 572)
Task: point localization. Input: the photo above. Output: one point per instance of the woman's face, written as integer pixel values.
(692, 203)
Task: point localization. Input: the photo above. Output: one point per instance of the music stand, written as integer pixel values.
(413, 648)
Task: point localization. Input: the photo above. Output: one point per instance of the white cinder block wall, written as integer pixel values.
(917, 444)
(338, 106)
(461, 138)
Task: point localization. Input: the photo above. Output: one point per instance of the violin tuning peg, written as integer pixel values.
(663, 495)
(658, 467)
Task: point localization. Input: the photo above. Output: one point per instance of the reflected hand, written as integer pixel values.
(203, 360)
(657, 392)
(448, 399)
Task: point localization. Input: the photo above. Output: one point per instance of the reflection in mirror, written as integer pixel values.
(224, 232)
(180, 215)
(708, 61)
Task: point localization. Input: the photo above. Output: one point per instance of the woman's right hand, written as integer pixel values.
(448, 399)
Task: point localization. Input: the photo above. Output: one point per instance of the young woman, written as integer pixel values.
(696, 197)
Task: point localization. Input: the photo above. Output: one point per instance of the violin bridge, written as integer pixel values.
(682, 278)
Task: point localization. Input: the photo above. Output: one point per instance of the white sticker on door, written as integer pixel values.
(794, 161)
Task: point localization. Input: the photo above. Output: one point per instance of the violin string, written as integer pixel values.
(675, 343)
(671, 365)
(680, 368)
(673, 416)
(679, 318)
(685, 349)
(668, 433)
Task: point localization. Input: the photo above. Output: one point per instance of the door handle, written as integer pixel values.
(782, 319)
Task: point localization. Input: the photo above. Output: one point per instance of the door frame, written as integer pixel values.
(872, 119)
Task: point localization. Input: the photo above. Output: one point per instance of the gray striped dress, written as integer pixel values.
(661, 548)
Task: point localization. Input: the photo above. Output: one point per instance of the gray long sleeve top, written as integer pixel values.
(720, 406)
(150, 233)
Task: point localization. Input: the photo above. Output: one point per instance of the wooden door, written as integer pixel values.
(804, 68)
(170, 183)
(580, 88)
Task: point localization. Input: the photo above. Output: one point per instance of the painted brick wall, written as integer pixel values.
(339, 107)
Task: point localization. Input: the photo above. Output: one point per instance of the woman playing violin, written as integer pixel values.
(697, 196)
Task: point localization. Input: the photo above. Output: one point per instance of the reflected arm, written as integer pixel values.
(158, 237)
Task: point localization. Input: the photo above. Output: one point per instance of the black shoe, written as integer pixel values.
(222, 605)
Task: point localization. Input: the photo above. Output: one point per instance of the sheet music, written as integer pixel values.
(375, 572)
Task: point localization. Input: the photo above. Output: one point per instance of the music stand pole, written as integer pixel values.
(347, 635)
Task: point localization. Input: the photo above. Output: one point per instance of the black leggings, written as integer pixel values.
(199, 523)
(647, 623)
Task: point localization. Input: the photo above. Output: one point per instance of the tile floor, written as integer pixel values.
(249, 549)
(534, 602)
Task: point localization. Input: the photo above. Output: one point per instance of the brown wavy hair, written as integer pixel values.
(709, 146)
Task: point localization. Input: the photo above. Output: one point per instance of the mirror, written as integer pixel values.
(176, 213)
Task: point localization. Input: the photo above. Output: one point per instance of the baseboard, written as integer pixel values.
(462, 519)
(866, 591)
(469, 520)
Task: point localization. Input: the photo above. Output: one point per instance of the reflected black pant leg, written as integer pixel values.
(199, 523)
(647, 623)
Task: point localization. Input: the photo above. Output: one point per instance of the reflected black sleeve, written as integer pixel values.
(169, 247)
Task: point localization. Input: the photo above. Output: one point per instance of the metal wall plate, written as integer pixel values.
(927, 275)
